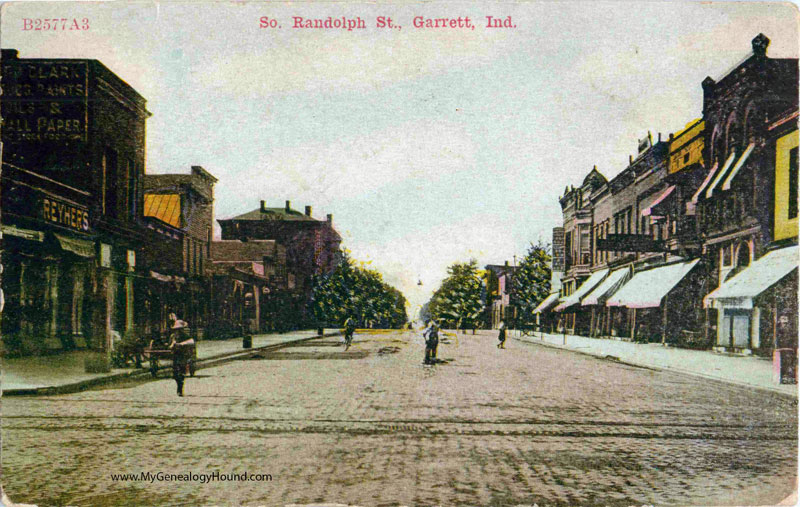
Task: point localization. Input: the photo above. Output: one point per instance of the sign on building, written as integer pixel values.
(558, 249)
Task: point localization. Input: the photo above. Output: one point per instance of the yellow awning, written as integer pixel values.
(165, 207)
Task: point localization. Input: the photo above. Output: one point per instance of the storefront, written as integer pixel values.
(659, 302)
(50, 281)
(757, 307)
(601, 314)
(574, 317)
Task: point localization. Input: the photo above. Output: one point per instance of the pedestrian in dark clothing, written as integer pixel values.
(181, 345)
(431, 335)
(502, 335)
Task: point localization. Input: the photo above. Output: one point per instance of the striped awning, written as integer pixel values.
(647, 288)
(548, 302)
(580, 292)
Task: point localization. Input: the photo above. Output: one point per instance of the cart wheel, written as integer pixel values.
(154, 367)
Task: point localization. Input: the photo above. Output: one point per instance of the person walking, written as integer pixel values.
(349, 329)
(431, 335)
(181, 345)
(501, 335)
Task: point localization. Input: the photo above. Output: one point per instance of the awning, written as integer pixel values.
(721, 174)
(30, 235)
(607, 287)
(739, 163)
(160, 277)
(648, 210)
(549, 302)
(80, 247)
(691, 206)
(589, 284)
(739, 291)
(647, 288)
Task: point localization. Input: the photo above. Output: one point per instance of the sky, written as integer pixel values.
(428, 146)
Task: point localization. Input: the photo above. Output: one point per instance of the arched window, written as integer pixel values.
(743, 254)
(733, 135)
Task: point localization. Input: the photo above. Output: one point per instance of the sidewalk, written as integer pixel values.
(65, 372)
(749, 371)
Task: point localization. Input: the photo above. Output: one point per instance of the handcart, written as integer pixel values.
(155, 355)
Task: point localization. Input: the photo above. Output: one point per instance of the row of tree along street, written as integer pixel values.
(474, 298)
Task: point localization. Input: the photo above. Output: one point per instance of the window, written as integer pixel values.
(727, 255)
(686, 158)
(110, 178)
(793, 183)
(131, 185)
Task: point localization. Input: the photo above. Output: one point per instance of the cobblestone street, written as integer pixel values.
(373, 426)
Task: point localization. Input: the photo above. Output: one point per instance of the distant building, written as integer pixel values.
(498, 289)
(312, 246)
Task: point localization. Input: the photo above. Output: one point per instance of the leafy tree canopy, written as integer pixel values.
(355, 291)
(459, 301)
(531, 282)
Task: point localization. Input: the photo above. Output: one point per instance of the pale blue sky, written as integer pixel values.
(428, 147)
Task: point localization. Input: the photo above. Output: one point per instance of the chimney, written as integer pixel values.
(708, 92)
(506, 264)
(308, 211)
(659, 137)
(630, 159)
(760, 44)
(330, 219)
(263, 206)
(288, 206)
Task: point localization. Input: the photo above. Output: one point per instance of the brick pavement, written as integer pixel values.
(372, 426)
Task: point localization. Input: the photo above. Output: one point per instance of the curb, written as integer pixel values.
(605, 357)
(109, 379)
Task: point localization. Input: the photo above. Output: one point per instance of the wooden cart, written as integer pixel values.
(155, 355)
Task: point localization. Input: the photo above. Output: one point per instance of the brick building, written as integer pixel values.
(179, 209)
(695, 242)
(747, 213)
(73, 162)
(312, 248)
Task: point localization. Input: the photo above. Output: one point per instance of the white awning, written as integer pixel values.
(589, 284)
(608, 287)
(721, 174)
(739, 291)
(549, 302)
(691, 206)
(647, 288)
(738, 166)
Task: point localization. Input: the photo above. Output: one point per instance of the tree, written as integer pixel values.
(531, 282)
(353, 291)
(458, 302)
